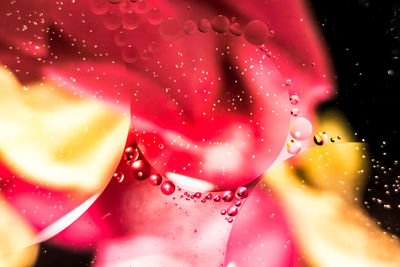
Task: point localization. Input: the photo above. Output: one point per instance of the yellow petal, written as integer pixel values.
(331, 228)
(15, 233)
(56, 139)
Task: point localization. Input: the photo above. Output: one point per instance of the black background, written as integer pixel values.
(363, 37)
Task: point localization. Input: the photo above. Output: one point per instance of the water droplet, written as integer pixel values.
(154, 16)
(155, 179)
(131, 154)
(153, 47)
(227, 196)
(189, 27)
(223, 212)
(217, 198)
(121, 38)
(209, 196)
(236, 29)
(204, 25)
(320, 138)
(130, 20)
(288, 82)
(256, 32)
(99, 7)
(142, 7)
(170, 29)
(232, 211)
(167, 188)
(294, 99)
(294, 112)
(112, 21)
(130, 54)
(293, 146)
(119, 176)
(220, 24)
(197, 195)
(140, 169)
(146, 55)
(242, 192)
(300, 128)
(114, 1)
(229, 220)
(238, 203)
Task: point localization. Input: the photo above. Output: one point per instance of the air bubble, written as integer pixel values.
(320, 138)
(154, 16)
(227, 196)
(155, 179)
(242, 192)
(294, 99)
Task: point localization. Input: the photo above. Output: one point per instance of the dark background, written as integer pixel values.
(364, 40)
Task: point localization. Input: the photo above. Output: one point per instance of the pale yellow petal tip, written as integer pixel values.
(15, 235)
(319, 190)
(57, 140)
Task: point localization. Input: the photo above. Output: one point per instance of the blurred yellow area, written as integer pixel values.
(320, 192)
(14, 234)
(55, 139)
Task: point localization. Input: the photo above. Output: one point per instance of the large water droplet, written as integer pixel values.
(236, 29)
(256, 32)
(204, 25)
(130, 20)
(154, 16)
(130, 54)
(167, 188)
(300, 128)
(170, 29)
(140, 169)
(220, 24)
(112, 20)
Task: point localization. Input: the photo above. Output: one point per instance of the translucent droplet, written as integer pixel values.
(99, 7)
(119, 176)
(204, 25)
(112, 21)
(209, 196)
(293, 146)
(242, 192)
(155, 179)
(130, 20)
(217, 198)
(131, 154)
(130, 54)
(153, 47)
(223, 212)
(189, 27)
(300, 128)
(232, 211)
(170, 29)
(220, 24)
(227, 196)
(294, 99)
(146, 55)
(288, 82)
(167, 188)
(256, 32)
(121, 38)
(140, 169)
(142, 6)
(320, 138)
(294, 112)
(154, 16)
(114, 1)
(197, 195)
(236, 29)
